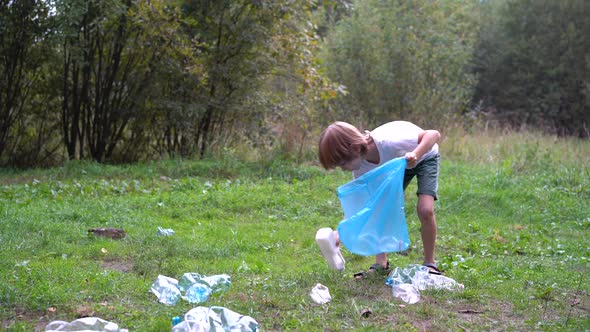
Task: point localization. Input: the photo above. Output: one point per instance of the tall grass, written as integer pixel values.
(513, 217)
(521, 148)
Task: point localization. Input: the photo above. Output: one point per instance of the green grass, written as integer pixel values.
(513, 215)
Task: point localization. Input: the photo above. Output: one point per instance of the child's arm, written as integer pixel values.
(426, 140)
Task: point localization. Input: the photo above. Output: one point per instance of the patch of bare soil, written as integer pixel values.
(431, 314)
(579, 301)
(39, 319)
(495, 315)
(116, 264)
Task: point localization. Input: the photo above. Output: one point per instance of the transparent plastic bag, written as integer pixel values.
(203, 319)
(85, 324)
(195, 287)
(407, 282)
(410, 274)
(165, 231)
(373, 206)
(407, 293)
(166, 289)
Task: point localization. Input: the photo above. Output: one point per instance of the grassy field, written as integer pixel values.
(513, 215)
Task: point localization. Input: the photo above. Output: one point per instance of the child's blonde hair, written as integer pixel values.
(336, 144)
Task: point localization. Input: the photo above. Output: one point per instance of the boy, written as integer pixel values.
(343, 145)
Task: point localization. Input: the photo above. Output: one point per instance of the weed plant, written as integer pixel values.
(513, 216)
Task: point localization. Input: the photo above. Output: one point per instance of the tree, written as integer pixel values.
(535, 69)
(243, 47)
(402, 59)
(22, 34)
(234, 39)
(133, 77)
(107, 71)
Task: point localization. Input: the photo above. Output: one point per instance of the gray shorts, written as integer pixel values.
(427, 173)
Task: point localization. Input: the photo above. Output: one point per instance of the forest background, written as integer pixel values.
(123, 81)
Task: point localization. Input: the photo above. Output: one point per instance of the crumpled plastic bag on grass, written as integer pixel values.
(195, 287)
(373, 206)
(407, 282)
(85, 324)
(203, 319)
(320, 294)
(166, 289)
(165, 231)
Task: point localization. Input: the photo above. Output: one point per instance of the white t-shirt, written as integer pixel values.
(394, 140)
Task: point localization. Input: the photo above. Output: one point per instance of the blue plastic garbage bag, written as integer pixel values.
(373, 206)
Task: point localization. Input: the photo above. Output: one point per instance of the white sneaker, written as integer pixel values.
(326, 239)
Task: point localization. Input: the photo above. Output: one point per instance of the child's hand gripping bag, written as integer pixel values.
(374, 215)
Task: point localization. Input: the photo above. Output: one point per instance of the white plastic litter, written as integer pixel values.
(326, 239)
(203, 319)
(165, 231)
(192, 287)
(433, 281)
(320, 294)
(86, 324)
(406, 283)
(407, 293)
(166, 289)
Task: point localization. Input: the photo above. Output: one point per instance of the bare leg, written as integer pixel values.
(381, 259)
(425, 210)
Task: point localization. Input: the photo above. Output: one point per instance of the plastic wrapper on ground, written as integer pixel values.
(192, 287)
(320, 294)
(213, 319)
(86, 324)
(407, 282)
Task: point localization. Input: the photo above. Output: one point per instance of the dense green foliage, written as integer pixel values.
(124, 80)
(403, 59)
(25, 125)
(533, 62)
(107, 61)
(513, 224)
(138, 80)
